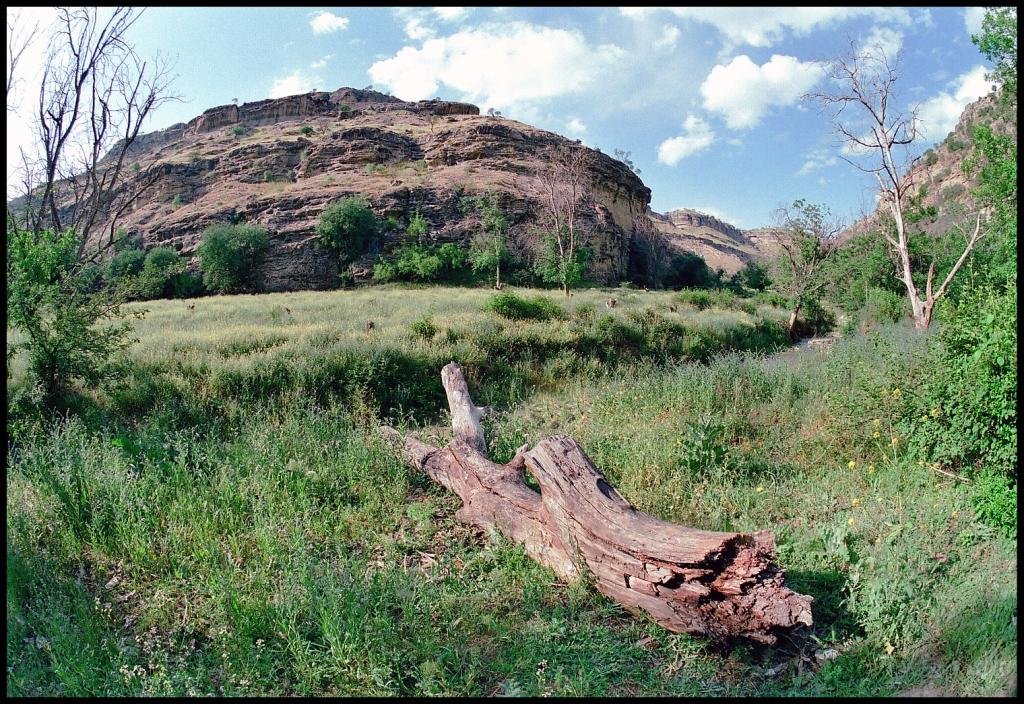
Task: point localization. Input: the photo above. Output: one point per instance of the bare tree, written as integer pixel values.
(18, 40)
(866, 80)
(806, 235)
(94, 96)
(564, 185)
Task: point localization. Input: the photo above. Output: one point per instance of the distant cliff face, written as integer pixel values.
(280, 162)
(723, 246)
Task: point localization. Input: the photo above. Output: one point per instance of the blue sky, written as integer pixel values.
(706, 99)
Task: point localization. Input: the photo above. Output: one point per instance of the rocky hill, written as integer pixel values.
(947, 185)
(280, 162)
(723, 246)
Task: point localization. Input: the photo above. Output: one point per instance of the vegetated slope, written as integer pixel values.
(723, 246)
(279, 162)
(940, 171)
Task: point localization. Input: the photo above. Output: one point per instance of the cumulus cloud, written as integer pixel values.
(328, 22)
(763, 27)
(497, 65)
(320, 63)
(742, 92)
(452, 14)
(575, 126)
(817, 159)
(939, 115)
(697, 136)
(668, 37)
(885, 38)
(291, 85)
(972, 19)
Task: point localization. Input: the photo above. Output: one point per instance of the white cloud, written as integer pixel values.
(327, 22)
(742, 92)
(939, 114)
(817, 159)
(416, 28)
(668, 37)
(497, 65)
(291, 85)
(575, 126)
(697, 136)
(972, 19)
(885, 38)
(452, 14)
(734, 142)
(765, 26)
(320, 63)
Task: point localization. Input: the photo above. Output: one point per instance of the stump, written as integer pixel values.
(688, 580)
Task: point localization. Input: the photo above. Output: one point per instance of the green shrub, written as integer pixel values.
(306, 130)
(424, 327)
(178, 201)
(418, 227)
(697, 298)
(753, 275)
(883, 306)
(238, 130)
(347, 227)
(814, 320)
(994, 496)
(422, 263)
(126, 263)
(124, 241)
(161, 265)
(509, 305)
(268, 176)
(229, 256)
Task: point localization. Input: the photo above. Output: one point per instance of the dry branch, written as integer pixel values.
(688, 580)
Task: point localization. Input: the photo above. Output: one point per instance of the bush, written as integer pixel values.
(238, 130)
(753, 275)
(424, 327)
(161, 265)
(513, 307)
(689, 270)
(814, 320)
(347, 227)
(306, 130)
(883, 306)
(229, 256)
(125, 264)
(994, 496)
(697, 298)
(422, 263)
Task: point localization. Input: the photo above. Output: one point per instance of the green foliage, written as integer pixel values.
(423, 327)
(814, 319)
(509, 305)
(238, 131)
(883, 306)
(124, 241)
(230, 255)
(994, 496)
(689, 270)
(347, 227)
(418, 227)
(930, 157)
(966, 409)
(306, 130)
(998, 42)
(163, 276)
(753, 275)
(125, 264)
(375, 169)
(488, 250)
(70, 334)
(422, 263)
(860, 265)
(178, 201)
(553, 267)
(268, 176)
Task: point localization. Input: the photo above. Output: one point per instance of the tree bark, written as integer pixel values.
(688, 580)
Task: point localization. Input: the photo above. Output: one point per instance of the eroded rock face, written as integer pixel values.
(278, 163)
(723, 246)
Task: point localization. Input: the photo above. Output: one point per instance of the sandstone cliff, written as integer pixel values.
(723, 246)
(279, 163)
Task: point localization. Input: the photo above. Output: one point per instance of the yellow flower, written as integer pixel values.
(877, 422)
(851, 464)
(878, 540)
(895, 440)
(849, 521)
(871, 469)
(935, 412)
(924, 418)
(759, 489)
(876, 434)
(896, 391)
(855, 502)
(888, 648)
(955, 514)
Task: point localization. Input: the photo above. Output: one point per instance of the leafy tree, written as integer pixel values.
(998, 42)
(555, 265)
(125, 264)
(626, 158)
(421, 263)
(488, 249)
(347, 227)
(753, 275)
(806, 236)
(418, 227)
(157, 279)
(70, 332)
(229, 256)
(563, 185)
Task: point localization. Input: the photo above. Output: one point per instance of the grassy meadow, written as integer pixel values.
(226, 520)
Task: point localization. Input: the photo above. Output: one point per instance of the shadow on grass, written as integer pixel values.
(833, 622)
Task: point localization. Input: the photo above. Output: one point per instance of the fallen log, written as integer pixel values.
(688, 580)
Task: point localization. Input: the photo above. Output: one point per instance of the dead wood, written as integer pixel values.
(688, 580)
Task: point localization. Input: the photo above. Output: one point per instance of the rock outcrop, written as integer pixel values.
(280, 162)
(722, 245)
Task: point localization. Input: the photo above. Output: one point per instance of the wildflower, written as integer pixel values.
(876, 435)
(924, 419)
(955, 514)
(871, 469)
(851, 464)
(759, 489)
(889, 649)
(896, 392)
(895, 441)
(935, 412)
(849, 521)
(878, 540)
(855, 503)
(920, 463)
(877, 422)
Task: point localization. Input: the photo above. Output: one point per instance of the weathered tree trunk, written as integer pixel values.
(688, 580)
